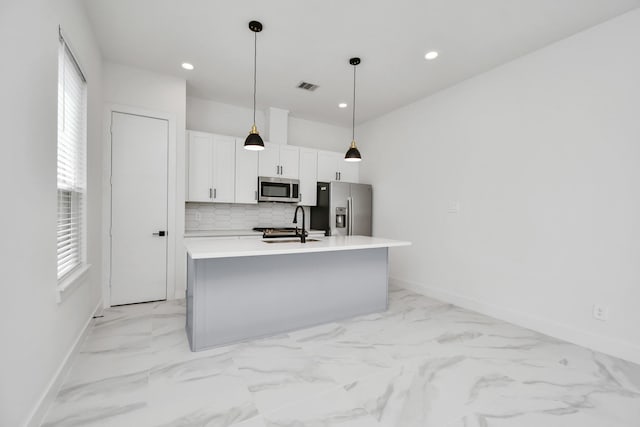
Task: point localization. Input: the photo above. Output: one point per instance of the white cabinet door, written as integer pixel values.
(332, 167)
(246, 174)
(327, 166)
(200, 178)
(269, 160)
(289, 157)
(224, 165)
(308, 176)
(348, 171)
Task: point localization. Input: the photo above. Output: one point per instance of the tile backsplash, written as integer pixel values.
(233, 216)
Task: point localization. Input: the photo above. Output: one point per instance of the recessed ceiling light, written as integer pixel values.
(431, 55)
(342, 105)
(187, 66)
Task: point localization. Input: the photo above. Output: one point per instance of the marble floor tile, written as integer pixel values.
(278, 372)
(114, 401)
(343, 355)
(251, 422)
(420, 363)
(124, 320)
(332, 408)
(111, 356)
(205, 391)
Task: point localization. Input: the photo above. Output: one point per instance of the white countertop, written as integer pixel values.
(215, 248)
(234, 233)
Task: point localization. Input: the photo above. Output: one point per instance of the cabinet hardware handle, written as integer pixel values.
(211, 193)
(340, 176)
(281, 170)
(214, 193)
(336, 176)
(160, 233)
(256, 194)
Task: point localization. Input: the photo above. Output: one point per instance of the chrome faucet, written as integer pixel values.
(303, 238)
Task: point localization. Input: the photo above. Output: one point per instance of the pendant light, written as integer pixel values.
(254, 141)
(353, 154)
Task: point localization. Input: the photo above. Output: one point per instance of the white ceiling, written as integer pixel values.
(312, 40)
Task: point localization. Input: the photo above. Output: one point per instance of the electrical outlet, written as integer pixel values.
(454, 207)
(600, 312)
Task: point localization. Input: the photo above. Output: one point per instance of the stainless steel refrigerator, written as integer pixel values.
(343, 209)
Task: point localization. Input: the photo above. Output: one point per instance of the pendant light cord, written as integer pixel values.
(255, 67)
(353, 119)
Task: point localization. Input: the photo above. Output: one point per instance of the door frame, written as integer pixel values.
(172, 228)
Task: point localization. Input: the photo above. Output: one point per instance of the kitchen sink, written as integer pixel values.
(290, 240)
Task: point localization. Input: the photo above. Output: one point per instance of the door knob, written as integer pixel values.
(160, 233)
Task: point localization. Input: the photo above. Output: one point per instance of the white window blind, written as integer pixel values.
(72, 119)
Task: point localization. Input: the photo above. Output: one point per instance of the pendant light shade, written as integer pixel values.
(254, 141)
(353, 154)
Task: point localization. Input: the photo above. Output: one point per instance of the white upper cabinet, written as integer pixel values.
(269, 160)
(246, 174)
(224, 159)
(280, 161)
(308, 176)
(199, 169)
(220, 170)
(333, 167)
(211, 168)
(289, 158)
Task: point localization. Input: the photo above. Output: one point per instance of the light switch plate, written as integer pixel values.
(454, 207)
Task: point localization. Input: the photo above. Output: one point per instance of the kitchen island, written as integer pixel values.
(239, 289)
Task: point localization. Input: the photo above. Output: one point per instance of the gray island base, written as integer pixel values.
(239, 298)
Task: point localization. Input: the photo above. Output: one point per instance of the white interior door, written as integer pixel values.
(139, 148)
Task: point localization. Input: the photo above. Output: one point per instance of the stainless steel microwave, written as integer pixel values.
(278, 190)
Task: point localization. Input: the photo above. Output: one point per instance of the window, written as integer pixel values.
(72, 193)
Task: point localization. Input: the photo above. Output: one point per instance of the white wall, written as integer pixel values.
(133, 87)
(215, 117)
(37, 333)
(211, 116)
(307, 133)
(543, 155)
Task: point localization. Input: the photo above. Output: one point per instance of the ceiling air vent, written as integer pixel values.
(307, 86)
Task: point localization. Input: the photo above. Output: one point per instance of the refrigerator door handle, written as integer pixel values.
(349, 216)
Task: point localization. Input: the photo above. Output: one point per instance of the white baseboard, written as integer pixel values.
(611, 346)
(48, 396)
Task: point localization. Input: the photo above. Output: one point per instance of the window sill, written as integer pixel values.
(72, 282)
